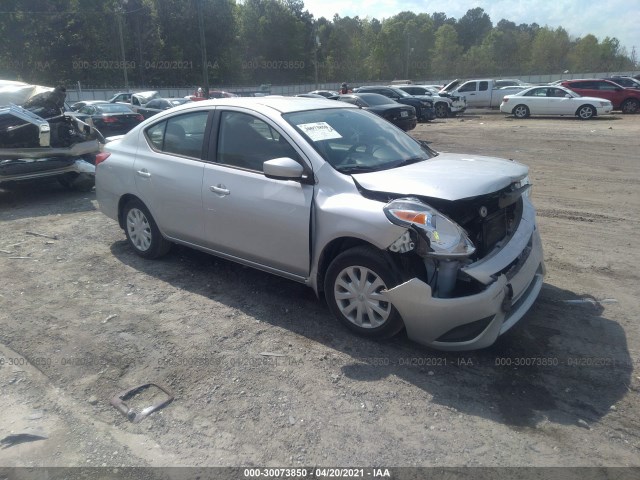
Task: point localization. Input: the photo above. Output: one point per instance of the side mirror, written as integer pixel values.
(283, 169)
(567, 96)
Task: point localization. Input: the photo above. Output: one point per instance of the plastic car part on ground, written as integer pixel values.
(118, 401)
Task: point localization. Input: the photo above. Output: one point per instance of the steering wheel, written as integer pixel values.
(352, 152)
(368, 148)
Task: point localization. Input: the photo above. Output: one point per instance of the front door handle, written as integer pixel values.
(220, 190)
(144, 173)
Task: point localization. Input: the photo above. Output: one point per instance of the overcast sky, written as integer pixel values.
(602, 18)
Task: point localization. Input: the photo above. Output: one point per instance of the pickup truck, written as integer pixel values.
(483, 93)
(135, 100)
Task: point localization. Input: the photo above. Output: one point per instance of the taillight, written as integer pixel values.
(109, 119)
(101, 157)
(139, 117)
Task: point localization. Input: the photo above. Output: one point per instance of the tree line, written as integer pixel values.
(162, 43)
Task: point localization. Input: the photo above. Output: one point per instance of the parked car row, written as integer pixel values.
(623, 93)
(403, 116)
(424, 107)
(583, 98)
(444, 105)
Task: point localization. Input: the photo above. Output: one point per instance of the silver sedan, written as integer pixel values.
(395, 235)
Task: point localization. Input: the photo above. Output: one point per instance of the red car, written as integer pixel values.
(625, 99)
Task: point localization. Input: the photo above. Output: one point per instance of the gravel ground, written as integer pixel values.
(263, 375)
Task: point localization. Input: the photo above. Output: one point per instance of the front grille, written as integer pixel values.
(494, 229)
(487, 232)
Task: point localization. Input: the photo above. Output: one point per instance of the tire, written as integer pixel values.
(520, 111)
(142, 231)
(442, 110)
(585, 112)
(80, 182)
(630, 105)
(361, 308)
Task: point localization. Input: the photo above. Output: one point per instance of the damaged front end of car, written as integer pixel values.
(60, 146)
(476, 263)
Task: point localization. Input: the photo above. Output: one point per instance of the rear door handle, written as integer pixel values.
(144, 173)
(219, 190)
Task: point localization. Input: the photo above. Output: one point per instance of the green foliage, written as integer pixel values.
(275, 41)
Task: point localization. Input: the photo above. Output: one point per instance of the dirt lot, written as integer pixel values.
(262, 373)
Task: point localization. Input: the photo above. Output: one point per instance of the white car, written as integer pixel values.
(553, 100)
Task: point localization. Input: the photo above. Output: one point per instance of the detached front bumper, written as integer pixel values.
(476, 321)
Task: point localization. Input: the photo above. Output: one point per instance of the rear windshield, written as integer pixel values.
(112, 108)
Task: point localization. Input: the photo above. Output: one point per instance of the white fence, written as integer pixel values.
(74, 95)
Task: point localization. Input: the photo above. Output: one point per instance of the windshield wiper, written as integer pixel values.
(356, 169)
(409, 161)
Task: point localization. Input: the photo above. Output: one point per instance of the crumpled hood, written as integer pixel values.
(449, 176)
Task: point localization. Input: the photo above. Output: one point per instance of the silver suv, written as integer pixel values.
(393, 233)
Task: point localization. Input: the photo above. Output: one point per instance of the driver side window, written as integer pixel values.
(468, 87)
(247, 142)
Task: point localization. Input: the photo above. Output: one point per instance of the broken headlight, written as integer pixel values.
(446, 238)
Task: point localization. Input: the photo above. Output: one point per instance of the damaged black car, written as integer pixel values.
(38, 139)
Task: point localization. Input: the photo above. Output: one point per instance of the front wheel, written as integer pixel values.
(586, 112)
(631, 105)
(354, 288)
(442, 110)
(521, 111)
(142, 231)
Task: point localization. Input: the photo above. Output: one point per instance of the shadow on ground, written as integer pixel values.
(42, 197)
(563, 362)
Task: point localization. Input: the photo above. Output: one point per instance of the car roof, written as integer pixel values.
(587, 80)
(265, 104)
(520, 93)
(366, 95)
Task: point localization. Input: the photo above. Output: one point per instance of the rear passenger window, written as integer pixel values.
(606, 86)
(180, 135)
(155, 135)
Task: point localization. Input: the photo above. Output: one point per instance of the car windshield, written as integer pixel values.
(357, 141)
(372, 99)
(112, 108)
(401, 92)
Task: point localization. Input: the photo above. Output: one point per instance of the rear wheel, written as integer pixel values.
(520, 111)
(442, 110)
(631, 105)
(585, 112)
(354, 288)
(142, 231)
